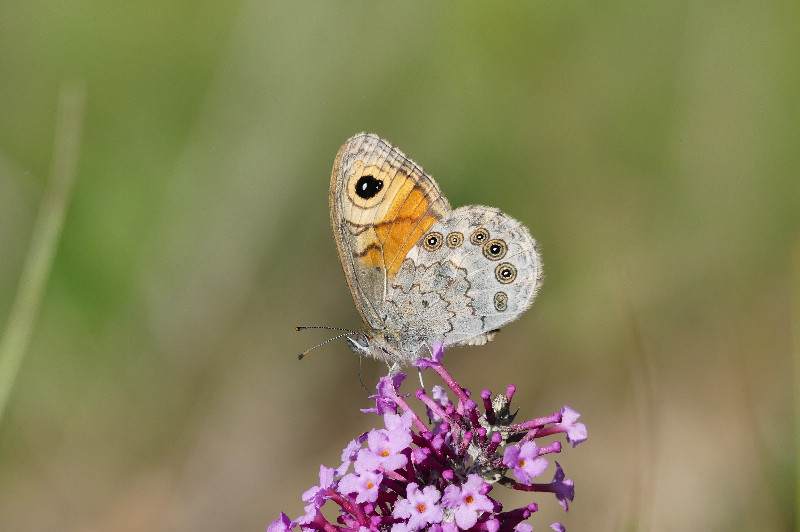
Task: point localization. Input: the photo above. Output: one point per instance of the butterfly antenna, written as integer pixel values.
(304, 327)
(301, 328)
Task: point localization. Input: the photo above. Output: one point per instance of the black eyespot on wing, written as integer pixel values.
(501, 301)
(505, 273)
(479, 236)
(368, 186)
(432, 241)
(455, 239)
(495, 249)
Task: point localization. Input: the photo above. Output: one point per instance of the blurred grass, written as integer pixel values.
(651, 148)
(44, 239)
(796, 350)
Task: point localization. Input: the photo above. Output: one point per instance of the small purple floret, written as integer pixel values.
(281, 524)
(525, 461)
(576, 432)
(420, 507)
(386, 401)
(384, 451)
(317, 494)
(437, 352)
(564, 488)
(468, 501)
(364, 485)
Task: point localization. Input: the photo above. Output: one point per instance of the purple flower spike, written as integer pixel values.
(525, 461)
(408, 476)
(420, 507)
(468, 501)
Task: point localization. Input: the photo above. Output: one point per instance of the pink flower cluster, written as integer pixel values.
(408, 476)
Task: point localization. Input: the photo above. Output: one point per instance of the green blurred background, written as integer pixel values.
(652, 148)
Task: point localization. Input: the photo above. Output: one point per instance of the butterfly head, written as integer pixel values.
(382, 344)
(372, 343)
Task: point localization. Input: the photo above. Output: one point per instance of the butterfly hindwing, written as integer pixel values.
(488, 272)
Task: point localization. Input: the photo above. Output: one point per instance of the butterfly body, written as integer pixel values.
(420, 272)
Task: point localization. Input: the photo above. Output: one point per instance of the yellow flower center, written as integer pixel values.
(469, 499)
(421, 507)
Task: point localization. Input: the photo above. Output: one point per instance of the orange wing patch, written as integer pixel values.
(405, 222)
(386, 225)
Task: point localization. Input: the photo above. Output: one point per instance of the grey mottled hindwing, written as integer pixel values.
(470, 274)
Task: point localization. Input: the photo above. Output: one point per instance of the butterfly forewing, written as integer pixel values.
(381, 204)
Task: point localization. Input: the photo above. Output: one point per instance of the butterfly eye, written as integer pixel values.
(368, 186)
(455, 239)
(432, 241)
(495, 249)
(479, 236)
(505, 272)
(501, 301)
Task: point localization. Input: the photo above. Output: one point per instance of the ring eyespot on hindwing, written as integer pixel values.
(505, 273)
(495, 249)
(455, 239)
(432, 241)
(479, 236)
(501, 301)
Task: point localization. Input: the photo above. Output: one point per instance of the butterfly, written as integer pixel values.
(420, 272)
